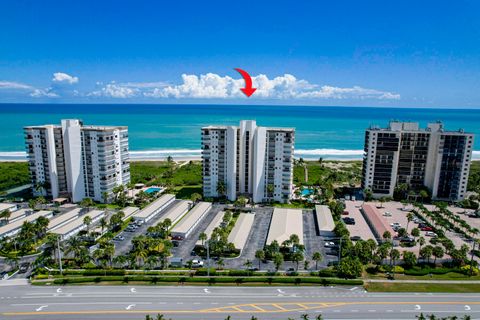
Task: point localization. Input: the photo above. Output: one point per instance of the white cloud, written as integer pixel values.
(211, 85)
(60, 77)
(14, 85)
(114, 90)
(41, 93)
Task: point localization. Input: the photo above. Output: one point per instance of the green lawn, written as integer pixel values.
(446, 276)
(160, 173)
(422, 287)
(345, 172)
(13, 174)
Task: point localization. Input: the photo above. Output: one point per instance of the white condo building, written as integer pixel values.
(248, 160)
(77, 161)
(403, 153)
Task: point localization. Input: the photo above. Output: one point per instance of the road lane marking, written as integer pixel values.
(133, 290)
(206, 290)
(59, 290)
(281, 291)
(353, 289)
(467, 308)
(130, 306)
(417, 307)
(41, 308)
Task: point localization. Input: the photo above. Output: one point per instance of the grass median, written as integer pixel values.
(422, 287)
(179, 280)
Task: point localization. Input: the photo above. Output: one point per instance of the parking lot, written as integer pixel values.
(360, 228)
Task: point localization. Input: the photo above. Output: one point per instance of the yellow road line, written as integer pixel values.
(238, 308)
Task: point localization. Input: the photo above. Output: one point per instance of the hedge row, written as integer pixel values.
(426, 271)
(233, 280)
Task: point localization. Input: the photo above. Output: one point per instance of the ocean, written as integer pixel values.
(157, 131)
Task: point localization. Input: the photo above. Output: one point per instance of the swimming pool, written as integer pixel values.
(306, 192)
(152, 190)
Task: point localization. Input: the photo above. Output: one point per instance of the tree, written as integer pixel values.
(409, 218)
(367, 195)
(297, 257)
(437, 252)
(409, 259)
(426, 253)
(202, 237)
(220, 263)
(105, 197)
(394, 256)
(423, 194)
(5, 215)
(195, 197)
(241, 202)
(103, 223)
(421, 242)
(277, 260)
(415, 233)
(87, 203)
(221, 188)
(387, 236)
(248, 264)
(350, 267)
(317, 257)
(87, 220)
(260, 255)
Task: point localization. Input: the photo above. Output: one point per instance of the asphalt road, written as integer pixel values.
(215, 303)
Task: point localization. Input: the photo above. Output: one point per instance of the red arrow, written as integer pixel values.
(248, 90)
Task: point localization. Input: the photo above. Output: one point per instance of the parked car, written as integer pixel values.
(118, 238)
(197, 263)
(3, 275)
(349, 220)
(387, 214)
(23, 267)
(426, 228)
(355, 238)
(345, 213)
(430, 234)
(329, 244)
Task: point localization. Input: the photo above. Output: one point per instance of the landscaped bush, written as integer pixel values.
(425, 271)
(211, 280)
(328, 273)
(204, 272)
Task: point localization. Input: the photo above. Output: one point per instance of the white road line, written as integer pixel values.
(133, 290)
(130, 306)
(354, 288)
(206, 290)
(41, 308)
(59, 290)
(281, 291)
(467, 308)
(74, 303)
(417, 307)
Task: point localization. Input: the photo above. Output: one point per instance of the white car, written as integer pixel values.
(197, 263)
(329, 244)
(387, 214)
(430, 234)
(395, 224)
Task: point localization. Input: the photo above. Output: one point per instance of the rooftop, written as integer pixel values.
(285, 222)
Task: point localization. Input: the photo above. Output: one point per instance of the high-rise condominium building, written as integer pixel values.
(77, 161)
(404, 153)
(248, 160)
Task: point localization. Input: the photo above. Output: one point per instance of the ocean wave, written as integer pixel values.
(161, 154)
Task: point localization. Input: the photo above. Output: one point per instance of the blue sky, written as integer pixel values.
(378, 53)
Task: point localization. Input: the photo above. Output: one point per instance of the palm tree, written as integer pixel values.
(394, 255)
(248, 264)
(5, 215)
(202, 237)
(220, 263)
(437, 252)
(105, 197)
(221, 188)
(317, 257)
(195, 197)
(103, 223)
(277, 260)
(421, 242)
(260, 255)
(87, 220)
(409, 219)
(297, 257)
